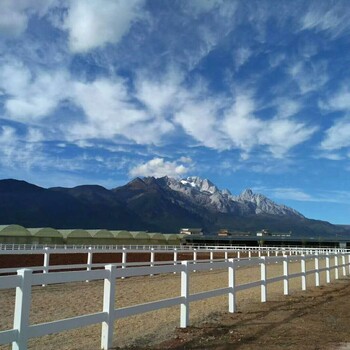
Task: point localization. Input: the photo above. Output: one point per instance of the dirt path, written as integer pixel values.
(318, 319)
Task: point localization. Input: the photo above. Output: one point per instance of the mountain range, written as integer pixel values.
(154, 204)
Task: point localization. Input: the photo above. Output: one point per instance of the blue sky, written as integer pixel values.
(246, 93)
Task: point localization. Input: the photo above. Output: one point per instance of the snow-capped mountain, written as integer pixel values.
(203, 192)
(154, 204)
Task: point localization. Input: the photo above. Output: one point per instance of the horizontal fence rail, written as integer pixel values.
(213, 251)
(25, 279)
(37, 248)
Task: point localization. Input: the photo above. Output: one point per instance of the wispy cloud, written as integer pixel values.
(337, 136)
(329, 17)
(14, 15)
(296, 194)
(309, 76)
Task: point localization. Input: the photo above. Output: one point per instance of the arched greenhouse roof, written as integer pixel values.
(77, 233)
(14, 230)
(156, 236)
(170, 237)
(45, 232)
(122, 234)
(100, 233)
(140, 235)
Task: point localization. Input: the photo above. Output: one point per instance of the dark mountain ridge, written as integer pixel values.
(154, 204)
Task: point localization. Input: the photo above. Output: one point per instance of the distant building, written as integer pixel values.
(191, 231)
(224, 233)
(263, 233)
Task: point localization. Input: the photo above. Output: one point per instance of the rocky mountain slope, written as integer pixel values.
(155, 204)
(204, 192)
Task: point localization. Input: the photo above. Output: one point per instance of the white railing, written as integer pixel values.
(214, 252)
(6, 248)
(24, 280)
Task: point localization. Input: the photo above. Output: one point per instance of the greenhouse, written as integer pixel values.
(46, 235)
(123, 237)
(157, 238)
(172, 239)
(102, 237)
(14, 234)
(141, 238)
(77, 236)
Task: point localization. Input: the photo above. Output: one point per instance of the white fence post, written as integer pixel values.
(231, 284)
(317, 271)
(336, 264)
(22, 309)
(238, 254)
(194, 257)
(249, 254)
(303, 271)
(108, 307)
(328, 271)
(286, 276)
(343, 263)
(124, 255)
(263, 279)
(185, 306)
(175, 258)
(46, 261)
(89, 260)
(152, 259)
(211, 258)
(349, 263)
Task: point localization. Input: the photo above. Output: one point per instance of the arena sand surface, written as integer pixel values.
(159, 329)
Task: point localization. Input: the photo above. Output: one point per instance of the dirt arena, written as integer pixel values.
(256, 325)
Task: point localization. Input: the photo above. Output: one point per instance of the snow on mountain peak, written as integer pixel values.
(204, 192)
(202, 185)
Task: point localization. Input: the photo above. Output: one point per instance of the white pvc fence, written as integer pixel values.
(24, 280)
(213, 251)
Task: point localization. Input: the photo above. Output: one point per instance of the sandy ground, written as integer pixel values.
(316, 320)
(66, 300)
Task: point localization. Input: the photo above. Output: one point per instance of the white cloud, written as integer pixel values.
(287, 107)
(330, 156)
(110, 112)
(198, 119)
(15, 14)
(329, 17)
(300, 195)
(337, 136)
(280, 135)
(242, 56)
(16, 152)
(158, 167)
(309, 76)
(31, 97)
(291, 194)
(94, 23)
(340, 101)
(160, 94)
(240, 124)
